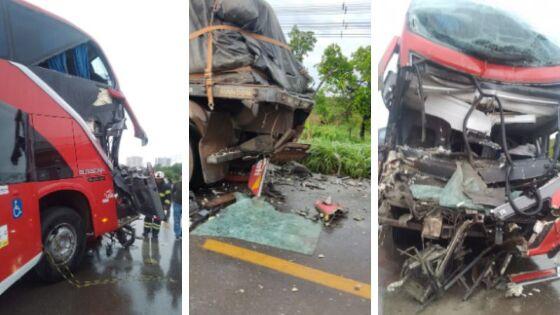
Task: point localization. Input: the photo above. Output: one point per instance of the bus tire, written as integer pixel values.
(64, 242)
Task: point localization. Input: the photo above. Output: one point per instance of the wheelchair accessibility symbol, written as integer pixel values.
(17, 208)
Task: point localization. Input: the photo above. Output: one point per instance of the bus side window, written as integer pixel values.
(49, 162)
(100, 72)
(13, 156)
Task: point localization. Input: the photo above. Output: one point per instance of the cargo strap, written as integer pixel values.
(212, 28)
(210, 51)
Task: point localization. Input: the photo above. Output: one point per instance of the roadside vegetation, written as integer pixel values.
(339, 127)
(172, 173)
(333, 152)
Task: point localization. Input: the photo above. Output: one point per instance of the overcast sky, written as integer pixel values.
(146, 43)
(348, 45)
(389, 21)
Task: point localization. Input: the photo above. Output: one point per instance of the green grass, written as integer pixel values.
(338, 133)
(336, 151)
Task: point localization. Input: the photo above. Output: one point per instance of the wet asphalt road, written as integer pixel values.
(158, 264)
(545, 300)
(224, 285)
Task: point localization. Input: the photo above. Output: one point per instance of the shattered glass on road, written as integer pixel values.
(255, 220)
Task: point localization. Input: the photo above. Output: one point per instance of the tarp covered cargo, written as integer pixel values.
(233, 49)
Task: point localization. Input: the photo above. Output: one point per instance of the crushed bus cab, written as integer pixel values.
(470, 179)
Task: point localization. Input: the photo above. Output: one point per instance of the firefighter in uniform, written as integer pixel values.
(153, 223)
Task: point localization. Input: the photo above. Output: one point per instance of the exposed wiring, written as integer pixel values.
(510, 166)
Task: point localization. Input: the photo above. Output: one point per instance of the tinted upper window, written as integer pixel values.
(37, 35)
(13, 157)
(514, 33)
(83, 61)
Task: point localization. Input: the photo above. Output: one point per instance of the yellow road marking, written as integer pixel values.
(299, 271)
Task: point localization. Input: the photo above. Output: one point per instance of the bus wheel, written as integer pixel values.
(64, 242)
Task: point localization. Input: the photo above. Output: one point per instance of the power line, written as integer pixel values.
(342, 35)
(327, 27)
(344, 7)
(346, 19)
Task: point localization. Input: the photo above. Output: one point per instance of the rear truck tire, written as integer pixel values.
(191, 161)
(196, 179)
(64, 240)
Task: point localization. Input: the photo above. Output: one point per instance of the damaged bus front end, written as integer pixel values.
(469, 162)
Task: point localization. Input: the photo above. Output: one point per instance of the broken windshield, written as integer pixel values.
(513, 33)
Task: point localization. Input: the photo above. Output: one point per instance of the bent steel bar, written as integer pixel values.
(505, 211)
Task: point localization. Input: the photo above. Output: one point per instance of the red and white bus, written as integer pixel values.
(62, 116)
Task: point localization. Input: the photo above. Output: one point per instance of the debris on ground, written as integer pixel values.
(329, 211)
(514, 290)
(221, 200)
(297, 169)
(211, 201)
(395, 285)
(255, 220)
(271, 192)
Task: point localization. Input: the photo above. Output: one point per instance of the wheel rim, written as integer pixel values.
(62, 243)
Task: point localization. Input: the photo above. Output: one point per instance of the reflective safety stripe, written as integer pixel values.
(151, 225)
(167, 202)
(168, 192)
(155, 226)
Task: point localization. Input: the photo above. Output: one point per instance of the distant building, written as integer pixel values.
(135, 161)
(163, 161)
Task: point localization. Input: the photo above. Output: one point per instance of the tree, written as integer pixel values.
(301, 42)
(349, 81)
(335, 71)
(361, 63)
